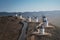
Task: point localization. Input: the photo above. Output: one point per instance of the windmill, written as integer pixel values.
(41, 28)
(36, 19)
(29, 19)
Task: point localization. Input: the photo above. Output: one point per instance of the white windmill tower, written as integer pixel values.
(21, 16)
(16, 15)
(36, 19)
(42, 29)
(29, 19)
(45, 21)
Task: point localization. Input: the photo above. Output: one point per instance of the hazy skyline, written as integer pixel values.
(29, 5)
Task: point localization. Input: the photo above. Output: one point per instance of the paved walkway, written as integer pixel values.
(23, 34)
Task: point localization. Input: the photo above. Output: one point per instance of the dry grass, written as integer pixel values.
(9, 28)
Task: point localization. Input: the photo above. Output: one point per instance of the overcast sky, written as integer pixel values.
(29, 5)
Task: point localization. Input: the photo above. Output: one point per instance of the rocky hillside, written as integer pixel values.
(10, 28)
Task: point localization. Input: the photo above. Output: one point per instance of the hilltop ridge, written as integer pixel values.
(10, 29)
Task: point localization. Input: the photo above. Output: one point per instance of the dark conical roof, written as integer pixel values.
(44, 16)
